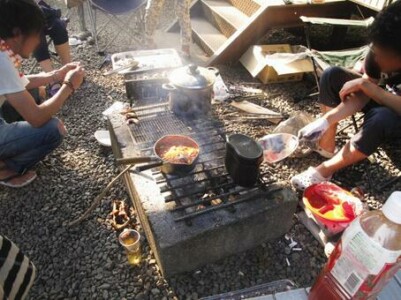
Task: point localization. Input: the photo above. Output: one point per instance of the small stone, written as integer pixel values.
(140, 296)
(104, 286)
(99, 276)
(295, 257)
(155, 291)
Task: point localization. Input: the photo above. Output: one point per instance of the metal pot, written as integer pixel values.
(243, 158)
(190, 90)
(157, 160)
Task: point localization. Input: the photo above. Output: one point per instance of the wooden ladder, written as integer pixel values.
(225, 29)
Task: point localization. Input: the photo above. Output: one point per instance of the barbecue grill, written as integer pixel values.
(208, 187)
(202, 216)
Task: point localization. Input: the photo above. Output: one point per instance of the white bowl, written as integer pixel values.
(103, 137)
(278, 146)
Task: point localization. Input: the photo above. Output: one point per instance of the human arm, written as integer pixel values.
(372, 91)
(42, 79)
(382, 96)
(38, 115)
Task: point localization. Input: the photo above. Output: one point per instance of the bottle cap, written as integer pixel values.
(392, 208)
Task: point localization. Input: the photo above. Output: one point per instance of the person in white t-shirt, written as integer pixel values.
(23, 144)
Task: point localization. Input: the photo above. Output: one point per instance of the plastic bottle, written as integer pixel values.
(366, 258)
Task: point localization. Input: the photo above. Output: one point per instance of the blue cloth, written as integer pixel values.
(23, 146)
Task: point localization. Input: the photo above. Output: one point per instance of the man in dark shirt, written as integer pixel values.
(343, 93)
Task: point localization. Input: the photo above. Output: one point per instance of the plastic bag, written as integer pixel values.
(292, 126)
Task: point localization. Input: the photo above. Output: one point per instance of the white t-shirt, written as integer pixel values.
(10, 79)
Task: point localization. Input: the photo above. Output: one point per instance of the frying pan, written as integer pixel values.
(157, 160)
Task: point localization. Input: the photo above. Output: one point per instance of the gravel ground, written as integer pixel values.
(86, 262)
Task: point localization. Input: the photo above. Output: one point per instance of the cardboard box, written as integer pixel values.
(277, 63)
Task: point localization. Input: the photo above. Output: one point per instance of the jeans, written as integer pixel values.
(381, 124)
(23, 146)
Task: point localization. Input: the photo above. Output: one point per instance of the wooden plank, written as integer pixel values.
(271, 16)
(338, 22)
(208, 34)
(228, 12)
(248, 7)
(253, 108)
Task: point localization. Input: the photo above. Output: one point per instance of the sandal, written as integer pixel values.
(30, 177)
(307, 178)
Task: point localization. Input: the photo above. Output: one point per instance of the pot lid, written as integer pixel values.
(193, 77)
(245, 146)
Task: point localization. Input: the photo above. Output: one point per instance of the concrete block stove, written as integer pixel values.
(203, 216)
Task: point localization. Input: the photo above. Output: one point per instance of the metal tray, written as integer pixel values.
(149, 60)
(274, 287)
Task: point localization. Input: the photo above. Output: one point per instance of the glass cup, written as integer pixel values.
(131, 240)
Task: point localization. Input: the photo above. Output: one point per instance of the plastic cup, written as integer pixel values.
(131, 241)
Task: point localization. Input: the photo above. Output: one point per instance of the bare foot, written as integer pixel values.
(327, 143)
(12, 179)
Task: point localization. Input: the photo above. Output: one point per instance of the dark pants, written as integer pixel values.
(56, 29)
(381, 124)
(10, 114)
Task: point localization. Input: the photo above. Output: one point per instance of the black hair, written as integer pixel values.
(24, 15)
(386, 29)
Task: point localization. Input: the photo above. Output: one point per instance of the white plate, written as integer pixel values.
(279, 146)
(103, 137)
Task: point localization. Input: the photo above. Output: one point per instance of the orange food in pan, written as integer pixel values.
(180, 154)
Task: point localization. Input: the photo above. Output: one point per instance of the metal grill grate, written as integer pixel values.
(151, 129)
(208, 187)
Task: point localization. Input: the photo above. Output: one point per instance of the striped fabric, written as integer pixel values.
(17, 273)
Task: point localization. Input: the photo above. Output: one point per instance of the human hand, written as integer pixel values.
(352, 87)
(62, 72)
(314, 131)
(75, 76)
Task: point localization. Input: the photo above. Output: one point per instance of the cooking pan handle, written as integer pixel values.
(214, 70)
(168, 87)
(149, 166)
(136, 160)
